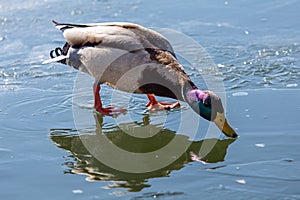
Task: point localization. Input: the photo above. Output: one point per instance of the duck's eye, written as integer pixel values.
(207, 102)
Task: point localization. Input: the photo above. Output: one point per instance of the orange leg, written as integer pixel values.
(153, 104)
(111, 110)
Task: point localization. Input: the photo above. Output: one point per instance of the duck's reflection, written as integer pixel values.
(81, 161)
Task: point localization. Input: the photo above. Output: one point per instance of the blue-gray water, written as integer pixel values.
(256, 46)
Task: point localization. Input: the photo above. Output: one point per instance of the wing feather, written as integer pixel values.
(121, 35)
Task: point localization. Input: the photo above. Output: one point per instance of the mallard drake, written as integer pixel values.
(135, 59)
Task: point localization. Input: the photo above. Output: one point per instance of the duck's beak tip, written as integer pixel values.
(223, 125)
(228, 131)
(234, 135)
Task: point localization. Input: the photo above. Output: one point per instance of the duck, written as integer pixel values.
(135, 59)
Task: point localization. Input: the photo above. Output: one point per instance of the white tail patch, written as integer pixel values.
(56, 59)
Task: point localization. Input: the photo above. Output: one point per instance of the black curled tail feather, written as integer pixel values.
(60, 51)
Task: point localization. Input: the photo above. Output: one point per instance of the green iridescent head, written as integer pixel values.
(209, 106)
